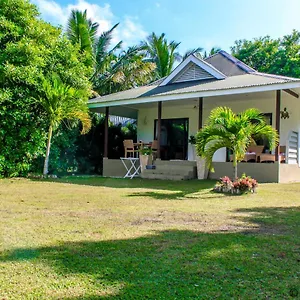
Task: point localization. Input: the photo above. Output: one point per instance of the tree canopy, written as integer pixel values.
(161, 52)
(30, 49)
(276, 56)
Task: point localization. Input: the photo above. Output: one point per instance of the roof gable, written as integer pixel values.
(192, 68)
(228, 64)
(192, 72)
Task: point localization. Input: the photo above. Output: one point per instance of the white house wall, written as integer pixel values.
(146, 116)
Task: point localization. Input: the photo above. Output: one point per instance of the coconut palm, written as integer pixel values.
(126, 70)
(62, 102)
(103, 52)
(196, 51)
(114, 70)
(212, 51)
(81, 30)
(236, 132)
(161, 52)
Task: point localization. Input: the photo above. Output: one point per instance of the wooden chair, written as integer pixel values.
(129, 148)
(265, 157)
(253, 152)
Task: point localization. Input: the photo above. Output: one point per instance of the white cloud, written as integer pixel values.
(130, 31)
(157, 4)
(51, 11)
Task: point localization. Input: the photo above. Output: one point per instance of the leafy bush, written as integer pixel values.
(146, 151)
(245, 184)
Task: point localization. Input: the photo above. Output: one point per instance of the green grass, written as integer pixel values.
(94, 238)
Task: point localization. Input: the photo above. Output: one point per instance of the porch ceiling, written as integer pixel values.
(131, 110)
(121, 111)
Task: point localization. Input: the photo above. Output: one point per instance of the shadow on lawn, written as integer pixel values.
(175, 189)
(184, 264)
(203, 193)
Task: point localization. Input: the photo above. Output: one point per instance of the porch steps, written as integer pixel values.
(171, 170)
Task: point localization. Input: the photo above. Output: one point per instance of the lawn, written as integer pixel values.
(94, 238)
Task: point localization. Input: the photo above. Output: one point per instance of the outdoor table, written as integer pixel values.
(142, 144)
(133, 170)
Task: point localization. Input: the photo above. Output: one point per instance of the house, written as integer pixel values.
(176, 107)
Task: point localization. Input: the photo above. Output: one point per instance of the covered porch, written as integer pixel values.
(173, 121)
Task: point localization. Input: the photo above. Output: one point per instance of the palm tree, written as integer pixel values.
(236, 132)
(162, 53)
(114, 70)
(212, 51)
(126, 70)
(196, 51)
(82, 31)
(62, 102)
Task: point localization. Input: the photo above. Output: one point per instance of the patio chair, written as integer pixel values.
(266, 157)
(252, 153)
(129, 148)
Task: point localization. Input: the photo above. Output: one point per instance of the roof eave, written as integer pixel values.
(207, 93)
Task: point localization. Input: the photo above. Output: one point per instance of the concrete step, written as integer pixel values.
(157, 174)
(179, 163)
(164, 177)
(172, 171)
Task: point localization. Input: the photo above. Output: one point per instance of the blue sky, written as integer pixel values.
(194, 23)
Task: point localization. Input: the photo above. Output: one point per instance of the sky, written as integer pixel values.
(194, 23)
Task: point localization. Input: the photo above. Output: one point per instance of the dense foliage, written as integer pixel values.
(30, 49)
(72, 152)
(276, 56)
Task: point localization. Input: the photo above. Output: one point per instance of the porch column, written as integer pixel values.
(158, 127)
(277, 118)
(105, 155)
(200, 107)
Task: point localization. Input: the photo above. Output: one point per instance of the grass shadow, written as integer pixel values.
(183, 264)
(186, 186)
(204, 193)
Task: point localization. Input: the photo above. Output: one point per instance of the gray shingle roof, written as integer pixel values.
(233, 82)
(228, 64)
(239, 75)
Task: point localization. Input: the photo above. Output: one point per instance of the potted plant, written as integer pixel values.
(202, 170)
(146, 157)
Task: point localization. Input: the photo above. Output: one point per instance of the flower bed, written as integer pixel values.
(242, 185)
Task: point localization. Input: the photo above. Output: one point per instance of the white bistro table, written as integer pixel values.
(134, 168)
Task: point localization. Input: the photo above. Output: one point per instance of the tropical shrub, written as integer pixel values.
(233, 131)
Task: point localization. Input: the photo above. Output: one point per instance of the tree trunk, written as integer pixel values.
(46, 162)
(234, 167)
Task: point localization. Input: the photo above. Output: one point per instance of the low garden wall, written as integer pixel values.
(289, 173)
(113, 168)
(261, 172)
